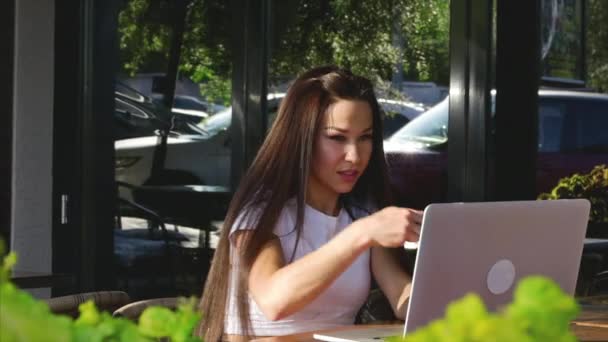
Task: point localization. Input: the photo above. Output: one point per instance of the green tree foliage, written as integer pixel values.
(353, 34)
(144, 36)
(373, 38)
(561, 39)
(426, 29)
(597, 46)
(359, 35)
(206, 54)
(145, 33)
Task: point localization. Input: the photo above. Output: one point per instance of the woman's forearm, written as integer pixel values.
(293, 286)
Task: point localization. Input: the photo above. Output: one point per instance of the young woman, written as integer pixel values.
(305, 234)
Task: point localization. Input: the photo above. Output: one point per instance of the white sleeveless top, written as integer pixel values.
(336, 306)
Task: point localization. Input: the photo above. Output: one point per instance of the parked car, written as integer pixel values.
(203, 150)
(191, 108)
(397, 114)
(204, 154)
(187, 101)
(135, 115)
(572, 137)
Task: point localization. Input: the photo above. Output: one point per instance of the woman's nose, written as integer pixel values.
(352, 153)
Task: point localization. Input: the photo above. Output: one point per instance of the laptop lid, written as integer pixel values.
(488, 247)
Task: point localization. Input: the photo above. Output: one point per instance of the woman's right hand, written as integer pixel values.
(392, 226)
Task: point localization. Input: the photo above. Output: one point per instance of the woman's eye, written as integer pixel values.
(337, 137)
(366, 137)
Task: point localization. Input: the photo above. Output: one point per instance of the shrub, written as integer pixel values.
(540, 311)
(23, 318)
(592, 186)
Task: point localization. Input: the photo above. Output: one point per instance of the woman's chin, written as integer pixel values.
(344, 189)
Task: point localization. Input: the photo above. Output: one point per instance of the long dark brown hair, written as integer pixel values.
(280, 172)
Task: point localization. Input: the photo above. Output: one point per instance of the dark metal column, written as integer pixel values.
(7, 31)
(249, 81)
(99, 59)
(517, 80)
(67, 161)
(470, 74)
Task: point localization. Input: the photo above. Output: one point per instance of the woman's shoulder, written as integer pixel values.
(250, 214)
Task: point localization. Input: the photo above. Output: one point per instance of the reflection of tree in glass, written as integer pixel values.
(360, 35)
(145, 32)
(597, 45)
(550, 10)
(561, 35)
(354, 34)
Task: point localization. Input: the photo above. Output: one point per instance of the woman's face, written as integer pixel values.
(343, 147)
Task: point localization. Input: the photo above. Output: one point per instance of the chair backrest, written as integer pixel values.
(133, 310)
(104, 300)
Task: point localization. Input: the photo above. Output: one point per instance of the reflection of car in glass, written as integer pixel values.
(203, 150)
(136, 115)
(572, 137)
(191, 108)
(397, 114)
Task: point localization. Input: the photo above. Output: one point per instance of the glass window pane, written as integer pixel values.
(172, 157)
(592, 127)
(550, 127)
(573, 143)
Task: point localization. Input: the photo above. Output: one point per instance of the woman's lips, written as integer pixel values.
(349, 175)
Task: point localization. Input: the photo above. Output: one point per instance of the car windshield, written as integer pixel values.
(221, 121)
(429, 129)
(217, 123)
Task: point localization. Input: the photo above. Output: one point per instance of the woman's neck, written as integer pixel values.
(325, 204)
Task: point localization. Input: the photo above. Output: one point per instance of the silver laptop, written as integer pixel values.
(486, 248)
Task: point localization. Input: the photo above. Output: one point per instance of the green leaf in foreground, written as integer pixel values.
(25, 319)
(543, 309)
(178, 326)
(540, 311)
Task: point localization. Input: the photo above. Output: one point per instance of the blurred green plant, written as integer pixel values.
(23, 318)
(592, 186)
(540, 311)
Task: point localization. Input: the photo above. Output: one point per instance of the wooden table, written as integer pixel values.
(591, 325)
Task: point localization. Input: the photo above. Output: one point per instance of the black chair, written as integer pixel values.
(188, 263)
(171, 194)
(376, 310)
(599, 284)
(144, 256)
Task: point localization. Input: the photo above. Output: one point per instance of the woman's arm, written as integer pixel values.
(393, 280)
(281, 290)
